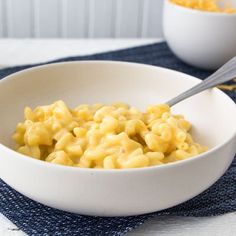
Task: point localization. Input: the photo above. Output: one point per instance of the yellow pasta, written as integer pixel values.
(207, 5)
(105, 136)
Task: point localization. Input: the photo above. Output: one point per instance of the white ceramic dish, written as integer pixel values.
(115, 192)
(202, 39)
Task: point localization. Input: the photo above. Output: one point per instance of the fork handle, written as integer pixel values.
(225, 73)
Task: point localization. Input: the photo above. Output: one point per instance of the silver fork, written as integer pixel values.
(225, 73)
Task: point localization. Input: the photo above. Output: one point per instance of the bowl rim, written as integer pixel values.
(132, 170)
(197, 11)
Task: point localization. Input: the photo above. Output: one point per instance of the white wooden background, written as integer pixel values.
(80, 18)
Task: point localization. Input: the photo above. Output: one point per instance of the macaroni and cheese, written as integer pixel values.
(206, 5)
(105, 136)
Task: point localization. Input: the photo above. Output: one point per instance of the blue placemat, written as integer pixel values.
(36, 219)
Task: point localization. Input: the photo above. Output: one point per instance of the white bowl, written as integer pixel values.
(202, 39)
(115, 192)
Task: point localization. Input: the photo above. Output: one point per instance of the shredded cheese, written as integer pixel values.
(227, 87)
(206, 5)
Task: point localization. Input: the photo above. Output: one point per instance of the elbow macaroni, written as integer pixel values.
(109, 137)
(206, 5)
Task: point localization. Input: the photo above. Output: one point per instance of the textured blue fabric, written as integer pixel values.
(36, 219)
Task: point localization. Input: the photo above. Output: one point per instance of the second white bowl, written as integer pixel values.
(202, 39)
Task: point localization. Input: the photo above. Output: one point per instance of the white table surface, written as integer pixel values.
(27, 51)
